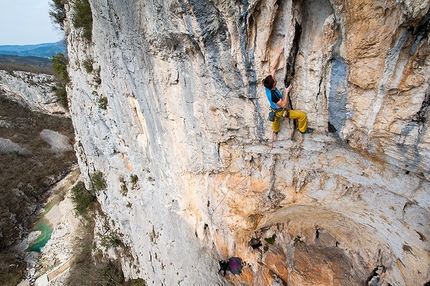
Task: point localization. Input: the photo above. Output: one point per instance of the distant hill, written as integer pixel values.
(12, 63)
(46, 50)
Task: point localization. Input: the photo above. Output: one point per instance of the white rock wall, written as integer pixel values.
(34, 91)
(186, 113)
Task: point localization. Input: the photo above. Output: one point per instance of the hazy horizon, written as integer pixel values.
(27, 22)
(1, 45)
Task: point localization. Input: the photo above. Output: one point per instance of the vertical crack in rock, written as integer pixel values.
(189, 27)
(245, 23)
(290, 66)
(375, 277)
(272, 179)
(291, 59)
(422, 115)
(213, 35)
(152, 50)
(420, 32)
(338, 95)
(390, 66)
(414, 157)
(248, 35)
(274, 195)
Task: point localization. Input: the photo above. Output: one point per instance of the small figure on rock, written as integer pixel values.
(279, 103)
(234, 265)
(223, 266)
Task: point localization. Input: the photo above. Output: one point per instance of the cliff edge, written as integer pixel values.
(167, 103)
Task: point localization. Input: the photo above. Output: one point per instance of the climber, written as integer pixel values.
(279, 103)
(234, 265)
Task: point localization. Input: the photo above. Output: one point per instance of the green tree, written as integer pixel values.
(59, 65)
(83, 17)
(58, 12)
(82, 198)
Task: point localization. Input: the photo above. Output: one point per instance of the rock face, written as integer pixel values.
(175, 101)
(31, 90)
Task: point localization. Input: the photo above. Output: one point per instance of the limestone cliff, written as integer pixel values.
(31, 90)
(174, 99)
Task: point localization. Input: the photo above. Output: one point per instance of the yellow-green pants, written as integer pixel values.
(302, 120)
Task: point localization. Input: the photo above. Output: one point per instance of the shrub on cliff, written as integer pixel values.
(98, 181)
(58, 12)
(59, 65)
(90, 266)
(82, 198)
(83, 17)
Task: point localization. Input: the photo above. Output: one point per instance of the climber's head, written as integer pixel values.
(269, 82)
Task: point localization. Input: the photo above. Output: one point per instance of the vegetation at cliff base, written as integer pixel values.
(26, 178)
(90, 266)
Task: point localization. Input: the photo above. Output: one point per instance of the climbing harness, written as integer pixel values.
(273, 112)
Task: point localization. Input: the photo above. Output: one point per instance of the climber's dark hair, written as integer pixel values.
(268, 81)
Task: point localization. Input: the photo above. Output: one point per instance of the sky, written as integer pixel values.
(27, 22)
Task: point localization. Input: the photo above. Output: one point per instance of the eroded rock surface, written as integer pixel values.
(186, 113)
(31, 90)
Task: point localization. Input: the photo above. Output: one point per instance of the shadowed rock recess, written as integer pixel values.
(174, 112)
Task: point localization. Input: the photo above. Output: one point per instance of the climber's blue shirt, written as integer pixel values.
(273, 96)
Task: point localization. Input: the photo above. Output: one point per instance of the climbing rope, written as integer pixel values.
(252, 170)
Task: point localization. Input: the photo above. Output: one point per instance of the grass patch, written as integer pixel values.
(97, 79)
(88, 65)
(271, 240)
(136, 282)
(15, 154)
(124, 189)
(134, 180)
(98, 181)
(103, 102)
(110, 240)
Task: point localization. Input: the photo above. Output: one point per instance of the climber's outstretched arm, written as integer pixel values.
(276, 62)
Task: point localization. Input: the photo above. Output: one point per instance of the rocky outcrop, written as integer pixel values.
(31, 90)
(173, 114)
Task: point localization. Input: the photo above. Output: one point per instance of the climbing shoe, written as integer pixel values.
(309, 130)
